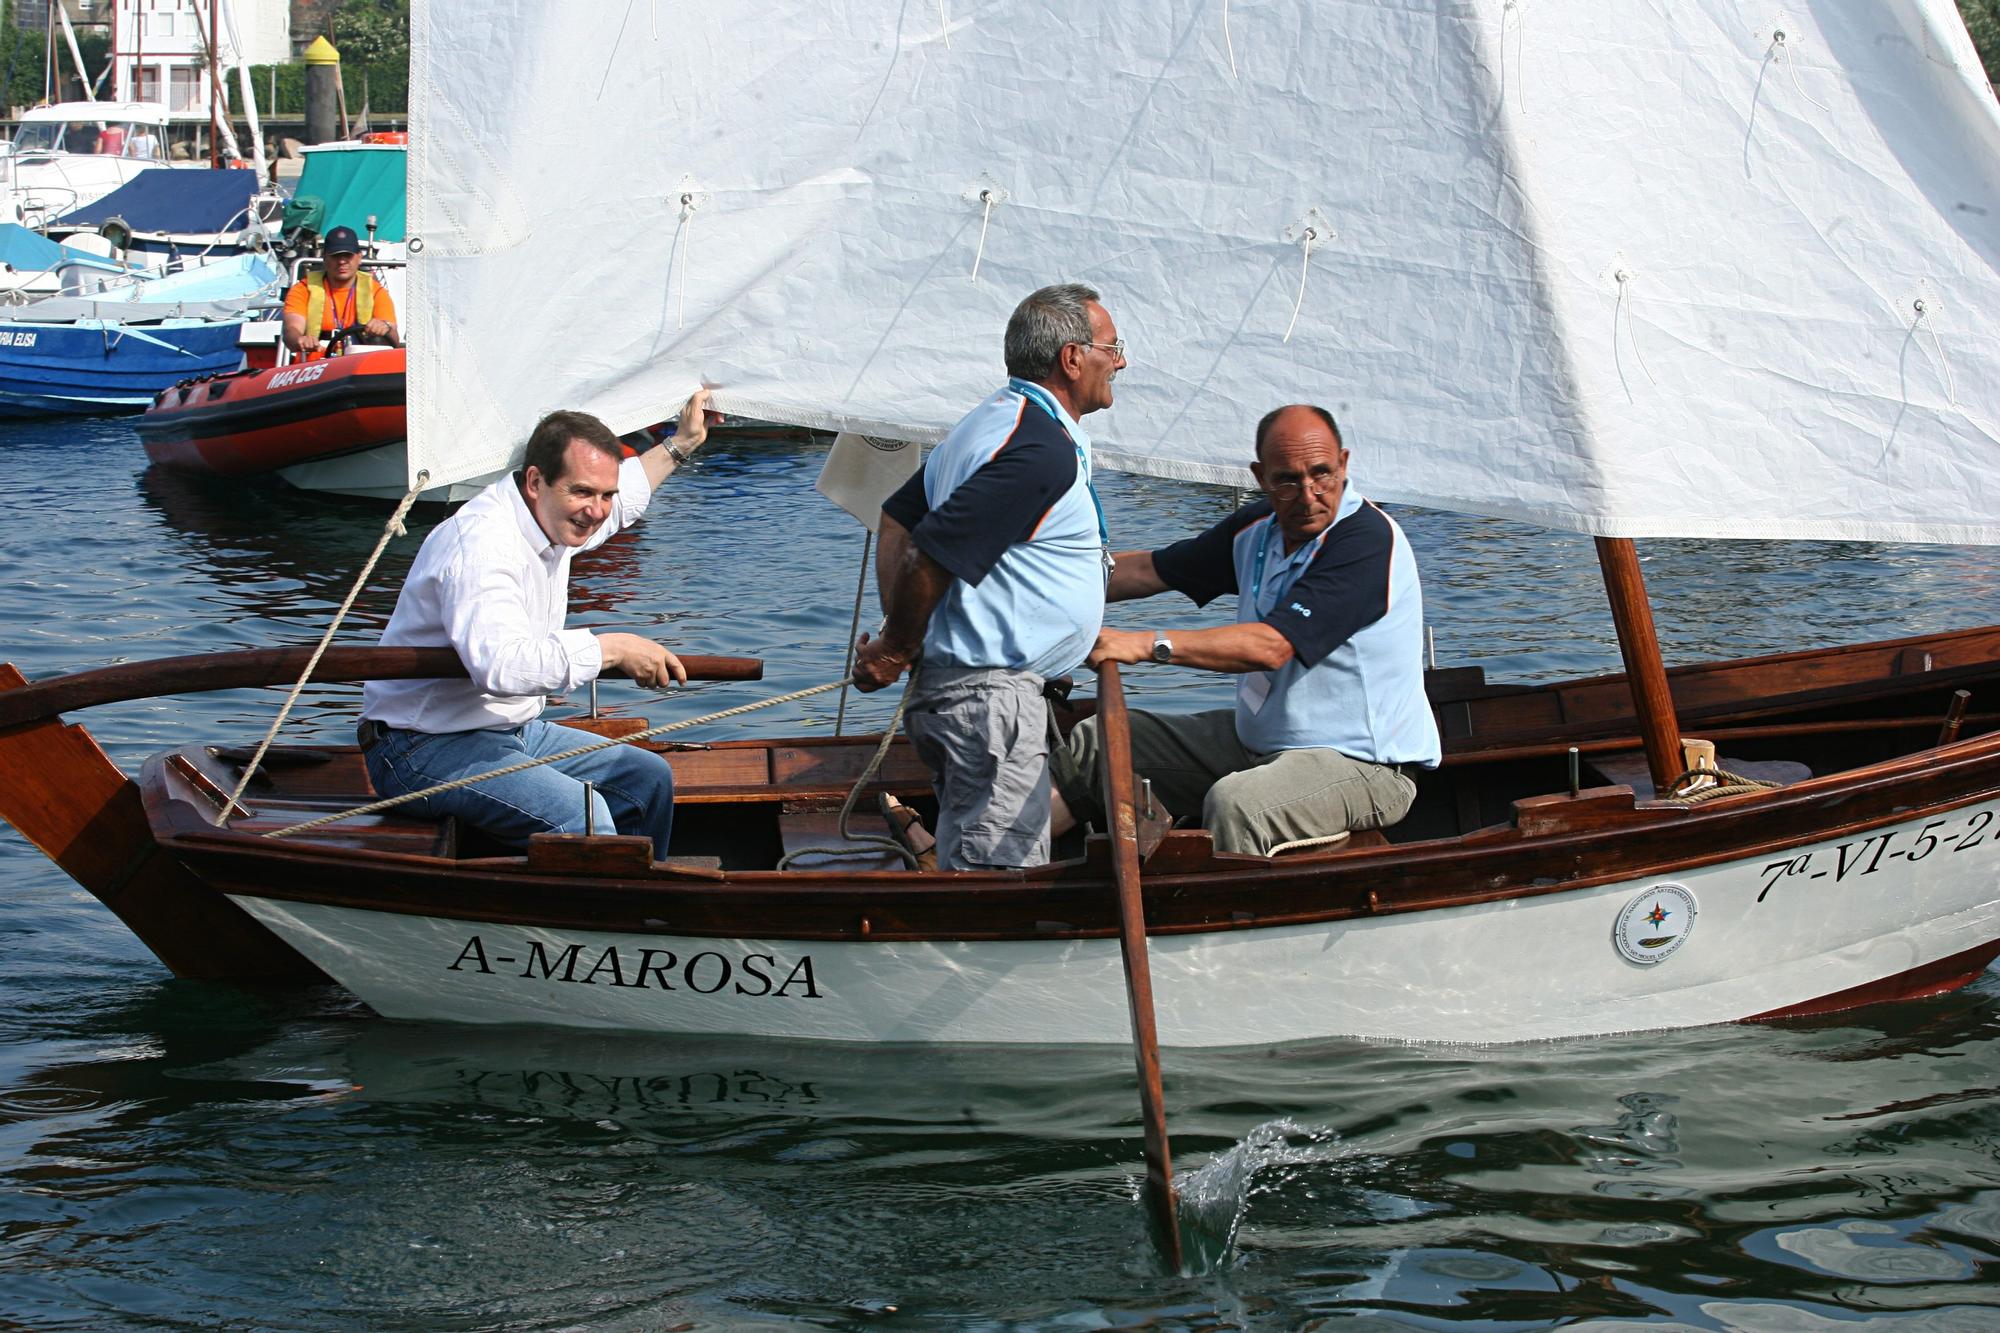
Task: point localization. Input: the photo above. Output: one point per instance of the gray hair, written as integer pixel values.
(1045, 323)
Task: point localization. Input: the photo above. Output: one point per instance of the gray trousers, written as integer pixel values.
(1249, 802)
(984, 735)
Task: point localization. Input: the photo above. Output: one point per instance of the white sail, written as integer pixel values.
(1635, 270)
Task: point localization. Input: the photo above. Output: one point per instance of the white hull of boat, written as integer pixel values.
(1861, 911)
(376, 474)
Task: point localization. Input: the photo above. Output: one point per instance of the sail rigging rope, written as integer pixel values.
(1783, 51)
(1306, 240)
(1624, 279)
(1924, 321)
(687, 242)
(854, 627)
(986, 197)
(854, 795)
(592, 748)
(392, 529)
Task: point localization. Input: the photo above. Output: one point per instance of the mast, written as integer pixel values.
(1652, 701)
(214, 89)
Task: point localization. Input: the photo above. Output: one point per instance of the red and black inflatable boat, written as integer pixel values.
(256, 421)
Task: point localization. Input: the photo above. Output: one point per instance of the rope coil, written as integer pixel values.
(1726, 783)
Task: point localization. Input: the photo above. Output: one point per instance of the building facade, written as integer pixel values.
(160, 48)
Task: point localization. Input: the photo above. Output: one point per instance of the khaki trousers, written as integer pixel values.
(1249, 802)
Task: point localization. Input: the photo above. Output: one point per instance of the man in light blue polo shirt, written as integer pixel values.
(992, 566)
(1331, 718)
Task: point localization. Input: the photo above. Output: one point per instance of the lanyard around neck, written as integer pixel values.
(1047, 403)
(1263, 553)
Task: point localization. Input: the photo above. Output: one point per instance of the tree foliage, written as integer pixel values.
(1982, 20)
(372, 32)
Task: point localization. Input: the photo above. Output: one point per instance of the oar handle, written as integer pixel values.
(272, 666)
(1114, 733)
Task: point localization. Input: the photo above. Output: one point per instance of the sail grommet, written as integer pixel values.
(1924, 311)
(988, 194)
(1623, 278)
(1308, 232)
(692, 197)
(415, 245)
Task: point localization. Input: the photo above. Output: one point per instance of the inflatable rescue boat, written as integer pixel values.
(257, 421)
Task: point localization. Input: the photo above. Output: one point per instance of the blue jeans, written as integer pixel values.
(635, 787)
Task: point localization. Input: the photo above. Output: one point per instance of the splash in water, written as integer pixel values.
(1215, 1196)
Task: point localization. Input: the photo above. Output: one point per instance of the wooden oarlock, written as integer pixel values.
(1115, 736)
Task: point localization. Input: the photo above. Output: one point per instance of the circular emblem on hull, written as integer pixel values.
(1655, 923)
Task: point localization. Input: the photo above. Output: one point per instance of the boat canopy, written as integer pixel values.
(175, 199)
(1689, 270)
(28, 251)
(225, 288)
(353, 182)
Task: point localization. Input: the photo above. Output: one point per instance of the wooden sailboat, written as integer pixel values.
(1552, 333)
(1502, 909)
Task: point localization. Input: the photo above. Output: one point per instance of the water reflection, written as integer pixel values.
(180, 1154)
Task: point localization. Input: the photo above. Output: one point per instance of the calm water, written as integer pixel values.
(181, 1155)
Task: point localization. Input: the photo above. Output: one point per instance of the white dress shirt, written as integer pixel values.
(491, 584)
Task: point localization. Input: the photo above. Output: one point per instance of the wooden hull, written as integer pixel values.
(1502, 913)
(1513, 969)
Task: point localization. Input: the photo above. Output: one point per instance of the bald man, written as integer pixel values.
(1331, 722)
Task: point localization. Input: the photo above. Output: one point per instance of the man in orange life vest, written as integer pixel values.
(339, 296)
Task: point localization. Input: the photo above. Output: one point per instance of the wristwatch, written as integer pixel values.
(679, 456)
(1163, 647)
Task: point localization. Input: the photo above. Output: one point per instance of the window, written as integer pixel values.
(146, 83)
(184, 93)
(159, 25)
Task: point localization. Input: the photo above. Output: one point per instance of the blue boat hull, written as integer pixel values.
(87, 370)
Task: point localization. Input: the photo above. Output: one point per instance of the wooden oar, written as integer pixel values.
(1115, 737)
(271, 666)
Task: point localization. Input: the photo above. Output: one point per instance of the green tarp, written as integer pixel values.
(350, 184)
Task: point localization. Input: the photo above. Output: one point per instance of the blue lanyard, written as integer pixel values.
(1048, 404)
(1264, 551)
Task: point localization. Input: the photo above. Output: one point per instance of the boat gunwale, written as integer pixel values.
(1034, 896)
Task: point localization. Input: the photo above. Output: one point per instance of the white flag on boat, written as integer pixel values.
(862, 471)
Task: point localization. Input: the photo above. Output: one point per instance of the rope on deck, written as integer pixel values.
(392, 529)
(854, 794)
(1725, 784)
(647, 734)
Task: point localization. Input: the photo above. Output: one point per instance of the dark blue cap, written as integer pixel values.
(341, 241)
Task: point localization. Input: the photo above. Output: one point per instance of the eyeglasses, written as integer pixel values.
(1116, 348)
(1320, 482)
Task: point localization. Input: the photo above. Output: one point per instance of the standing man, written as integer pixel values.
(1331, 719)
(141, 143)
(492, 582)
(338, 296)
(992, 566)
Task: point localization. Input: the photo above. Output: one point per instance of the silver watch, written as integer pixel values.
(1163, 647)
(675, 452)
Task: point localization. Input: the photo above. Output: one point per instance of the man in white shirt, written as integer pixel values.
(492, 581)
(140, 143)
